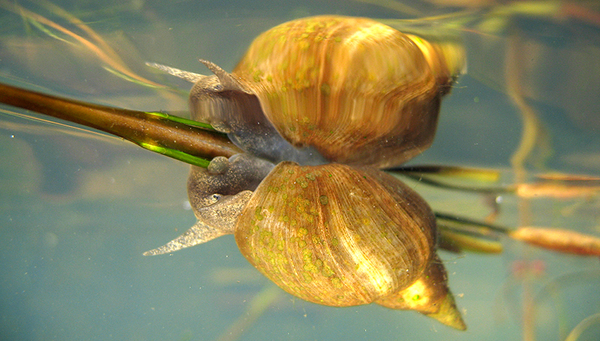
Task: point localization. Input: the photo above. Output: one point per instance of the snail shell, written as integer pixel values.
(331, 88)
(341, 236)
(336, 235)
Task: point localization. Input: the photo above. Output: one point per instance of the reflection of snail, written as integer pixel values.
(327, 89)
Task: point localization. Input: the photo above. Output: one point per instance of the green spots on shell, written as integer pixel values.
(267, 239)
(302, 182)
(325, 89)
(416, 297)
(253, 227)
(317, 267)
(258, 213)
(336, 282)
(307, 277)
(266, 234)
(299, 203)
(314, 267)
(310, 267)
(302, 231)
(324, 200)
(303, 44)
(307, 255)
(257, 75)
(309, 218)
(277, 259)
(327, 272)
(310, 176)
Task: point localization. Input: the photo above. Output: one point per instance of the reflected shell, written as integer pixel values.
(336, 235)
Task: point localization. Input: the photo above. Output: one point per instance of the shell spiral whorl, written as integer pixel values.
(321, 234)
(347, 86)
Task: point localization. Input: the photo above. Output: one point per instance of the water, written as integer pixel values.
(78, 209)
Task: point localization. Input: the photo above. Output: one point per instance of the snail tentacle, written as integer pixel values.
(226, 80)
(187, 75)
(197, 234)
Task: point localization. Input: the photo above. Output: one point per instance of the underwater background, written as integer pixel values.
(78, 209)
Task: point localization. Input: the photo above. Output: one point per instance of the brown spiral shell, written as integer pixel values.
(336, 235)
(358, 91)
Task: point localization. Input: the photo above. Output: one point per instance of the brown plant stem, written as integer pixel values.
(153, 131)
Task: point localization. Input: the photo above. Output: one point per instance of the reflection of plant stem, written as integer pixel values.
(559, 240)
(259, 304)
(483, 228)
(552, 291)
(528, 141)
(104, 52)
(558, 186)
(178, 138)
(582, 326)
(439, 184)
(102, 45)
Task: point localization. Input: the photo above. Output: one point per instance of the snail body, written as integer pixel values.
(319, 104)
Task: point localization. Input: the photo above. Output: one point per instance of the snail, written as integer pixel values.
(329, 89)
(319, 105)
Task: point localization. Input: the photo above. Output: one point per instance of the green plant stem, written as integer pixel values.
(164, 134)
